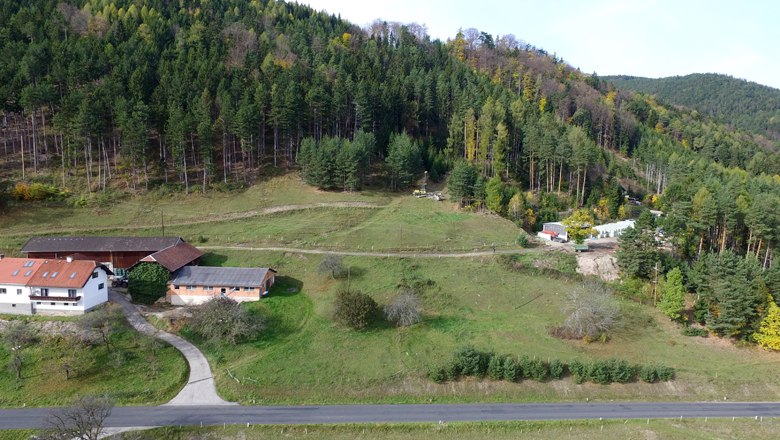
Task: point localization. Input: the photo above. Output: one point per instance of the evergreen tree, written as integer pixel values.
(673, 295)
(637, 252)
(403, 161)
(461, 181)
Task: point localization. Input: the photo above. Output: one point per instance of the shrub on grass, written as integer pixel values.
(621, 371)
(648, 373)
(222, 320)
(695, 331)
(495, 369)
(557, 369)
(404, 310)
(471, 361)
(537, 370)
(598, 372)
(665, 374)
(579, 370)
(354, 309)
(147, 282)
(512, 371)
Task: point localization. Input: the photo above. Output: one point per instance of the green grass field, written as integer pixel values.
(125, 373)
(304, 357)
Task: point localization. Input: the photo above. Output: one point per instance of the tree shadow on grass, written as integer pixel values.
(213, 259)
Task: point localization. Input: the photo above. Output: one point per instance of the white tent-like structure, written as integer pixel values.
(612, 229)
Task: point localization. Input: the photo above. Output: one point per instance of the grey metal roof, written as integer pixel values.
(220, 276)
(99, 244)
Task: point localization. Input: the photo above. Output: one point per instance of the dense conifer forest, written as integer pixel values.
(737, 102)
(127, 96)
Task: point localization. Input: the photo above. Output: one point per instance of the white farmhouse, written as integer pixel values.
(54, 287)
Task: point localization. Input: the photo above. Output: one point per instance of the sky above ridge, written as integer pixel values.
(652, 38)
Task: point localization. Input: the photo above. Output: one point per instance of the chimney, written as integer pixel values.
(69, 258)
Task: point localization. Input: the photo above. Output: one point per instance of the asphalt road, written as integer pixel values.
(217, 415)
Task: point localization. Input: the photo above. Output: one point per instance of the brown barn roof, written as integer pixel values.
(175, 257)
(99, 244)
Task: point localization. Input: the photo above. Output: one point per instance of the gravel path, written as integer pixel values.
(372, 254)
(200, 388)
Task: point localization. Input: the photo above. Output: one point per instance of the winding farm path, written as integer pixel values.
(371, 254)
(200, 388)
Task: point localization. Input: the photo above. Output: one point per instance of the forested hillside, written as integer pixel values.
(129, 95)
(746, 105)
(103, 99)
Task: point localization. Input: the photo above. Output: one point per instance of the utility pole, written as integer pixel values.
(162, 222)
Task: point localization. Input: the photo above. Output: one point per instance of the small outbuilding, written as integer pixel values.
(192, 285)
(554, 231)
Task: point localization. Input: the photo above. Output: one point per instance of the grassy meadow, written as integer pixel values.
(129, 373)
(303, 357)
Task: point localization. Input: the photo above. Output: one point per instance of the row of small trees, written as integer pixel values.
(468, 361)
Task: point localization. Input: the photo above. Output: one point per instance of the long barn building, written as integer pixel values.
(118, 253)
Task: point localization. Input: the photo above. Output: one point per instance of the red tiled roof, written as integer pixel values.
(14, 271)
(47, 273)
(175, 257)
(63, 273)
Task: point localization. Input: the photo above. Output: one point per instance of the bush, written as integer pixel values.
(222, 320)
(471, 361)
(495, 369)
(557, 369)
(620, 371)
(404, 310)
(591, 311)
(331, 264)
(665, 374)
(523, 240)
(537, 370)
(695, 331)
(648, 373)
(578, 370)
(354, 309)
(147, 282)
(512, 371)
(599, 372)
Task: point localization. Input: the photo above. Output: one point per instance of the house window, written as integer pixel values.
(249, 289)
(65, 304)
(190, 287)
(2, 290)
(13, 305)
(71, 293)
(94, 274)
(101, 286)
(18, 291)
(54, 304)
(44, 291)
(209, 287)
(38, 302)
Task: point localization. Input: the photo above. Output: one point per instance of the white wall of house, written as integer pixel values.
(91, 296)
(15, 300)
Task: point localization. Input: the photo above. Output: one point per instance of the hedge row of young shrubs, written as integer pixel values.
(469, 361)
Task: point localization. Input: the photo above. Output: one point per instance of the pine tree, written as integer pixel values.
(673, 295)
